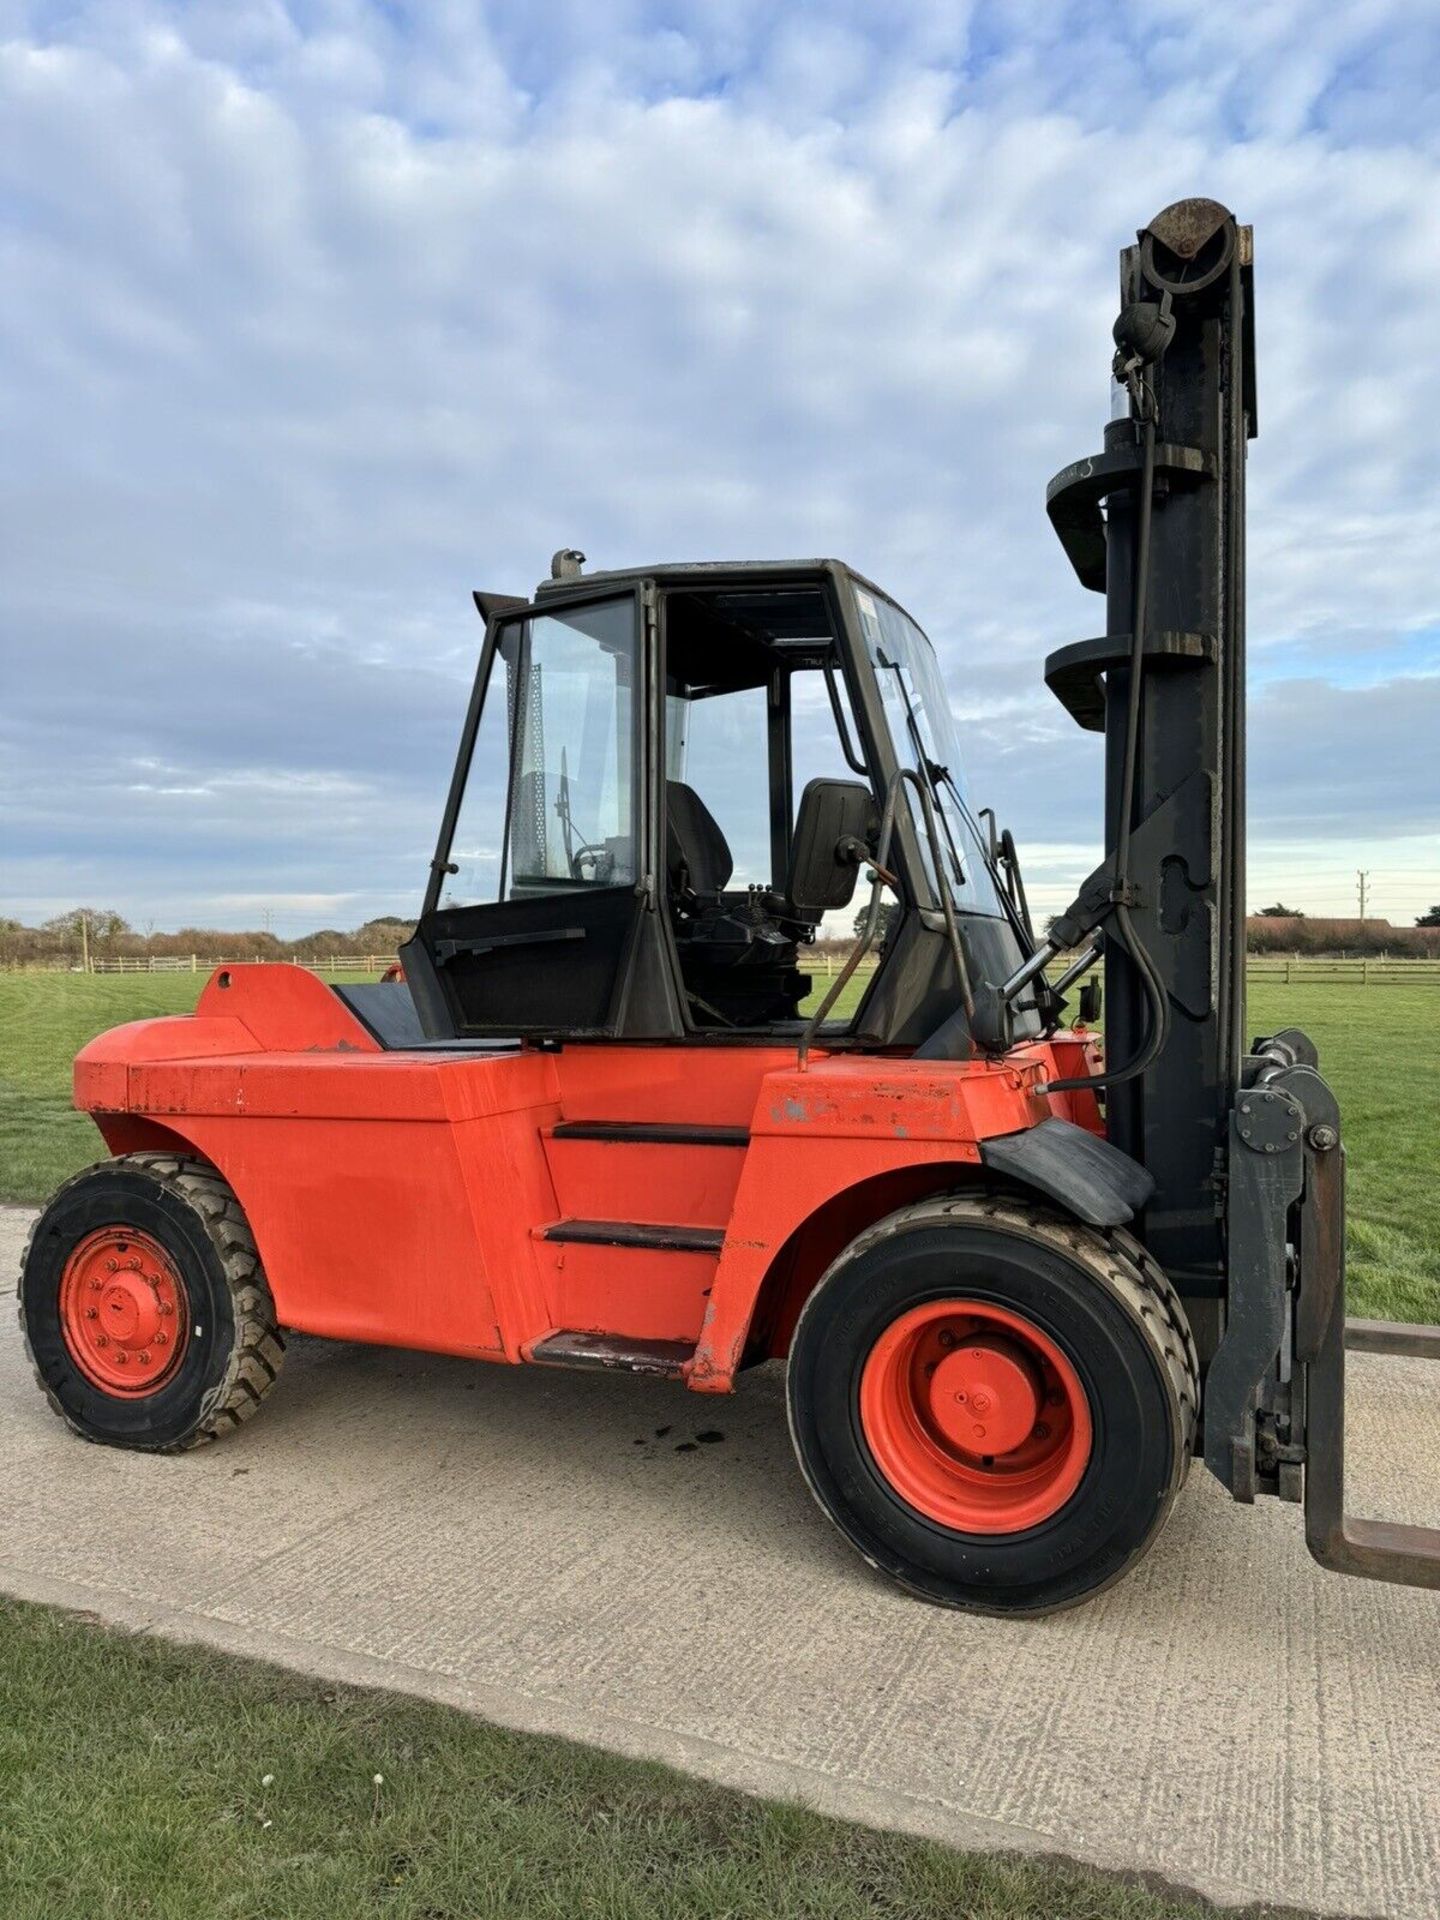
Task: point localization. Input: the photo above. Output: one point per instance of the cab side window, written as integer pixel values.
(559, 715)
(717, 764)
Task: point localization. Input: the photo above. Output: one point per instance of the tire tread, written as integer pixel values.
(258, 1349)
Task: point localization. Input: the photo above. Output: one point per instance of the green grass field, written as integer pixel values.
(1379, 1045)
(45, 1019)
(144, 1781)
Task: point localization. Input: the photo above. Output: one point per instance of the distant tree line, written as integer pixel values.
(106, 935)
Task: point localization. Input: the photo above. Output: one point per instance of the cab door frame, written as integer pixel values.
(479, 971)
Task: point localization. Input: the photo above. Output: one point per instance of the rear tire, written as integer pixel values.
(1080, 1351)
(145, 1310)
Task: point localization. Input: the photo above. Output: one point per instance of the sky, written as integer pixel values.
(315, 316)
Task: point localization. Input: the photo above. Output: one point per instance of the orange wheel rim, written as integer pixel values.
(124, 1312)
(975, 1417)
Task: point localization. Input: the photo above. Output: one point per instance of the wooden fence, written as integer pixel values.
(1317, 970)
(201, 963)
(1306, 970)
(1301, 970)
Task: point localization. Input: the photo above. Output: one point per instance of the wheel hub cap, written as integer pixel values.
(975, 1417)
(984, 1397)
(123, 1311)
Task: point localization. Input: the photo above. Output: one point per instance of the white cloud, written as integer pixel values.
(311, 319)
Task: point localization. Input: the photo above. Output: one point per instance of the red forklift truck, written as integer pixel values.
(598, 1124)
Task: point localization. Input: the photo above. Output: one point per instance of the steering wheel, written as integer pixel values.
(599, 859)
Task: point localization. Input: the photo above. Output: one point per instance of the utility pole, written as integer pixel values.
(269, 914)
(85, 941)
(1363, 881)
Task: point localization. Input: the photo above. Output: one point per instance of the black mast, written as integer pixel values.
(1171, 895)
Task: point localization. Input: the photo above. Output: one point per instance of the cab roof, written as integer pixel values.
(688, 571)
(746, 591)
(707, 572)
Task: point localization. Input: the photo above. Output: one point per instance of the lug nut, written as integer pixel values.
(92, 1313)
(161, 1338)
(102, 1339)
(165, 1307)
(1041, 1432)
(144, 1359)
(1054, 1397)
(121, 1357)
(947, 1339)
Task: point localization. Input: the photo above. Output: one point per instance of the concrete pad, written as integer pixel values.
(527, 1544)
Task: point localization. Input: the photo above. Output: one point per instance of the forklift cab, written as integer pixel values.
(666, 780)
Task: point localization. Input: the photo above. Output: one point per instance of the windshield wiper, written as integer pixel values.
(562, 807)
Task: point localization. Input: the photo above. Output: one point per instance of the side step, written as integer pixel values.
(636, 1233)
(651, 1133)
(665, 1358)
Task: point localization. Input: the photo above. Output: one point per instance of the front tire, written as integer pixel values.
(993, 1403)
(145, 1310)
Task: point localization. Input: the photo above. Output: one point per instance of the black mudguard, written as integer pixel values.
(1075, 1168)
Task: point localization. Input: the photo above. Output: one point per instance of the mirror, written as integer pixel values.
(834, 834)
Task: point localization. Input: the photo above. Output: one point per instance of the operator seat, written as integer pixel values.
(737, 956)
(698, 860)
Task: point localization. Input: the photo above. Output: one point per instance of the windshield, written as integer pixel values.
(922, 732)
